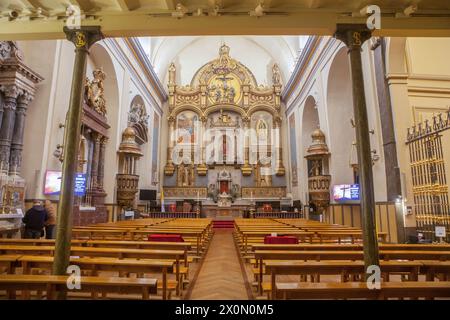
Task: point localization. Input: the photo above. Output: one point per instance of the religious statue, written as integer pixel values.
(276, 76)
(138, 114)
(316, 168)
(265, 181)
(94, 92)
(172, 70)
(213, 192)
(235, 191)
(184, 178)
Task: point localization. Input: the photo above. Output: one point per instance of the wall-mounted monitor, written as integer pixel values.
(147, 194)
(346, 192)
(52, 185)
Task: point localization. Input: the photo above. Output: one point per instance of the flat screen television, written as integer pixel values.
(52, 185)
(147, 194)
(346, 192)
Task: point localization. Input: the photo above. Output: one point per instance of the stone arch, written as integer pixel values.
(340, 112)
(101, 58)
(268, 109)
(225, 107)
(310, 121)
(396, 56)
(184, 108)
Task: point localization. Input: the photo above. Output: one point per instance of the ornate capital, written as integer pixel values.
(353, 35)
(246, 121)
(24, 99)
(97, 137)
(11, 91)
(84, 37)
(171, 120)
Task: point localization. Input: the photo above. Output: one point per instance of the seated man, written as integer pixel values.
(34, 220)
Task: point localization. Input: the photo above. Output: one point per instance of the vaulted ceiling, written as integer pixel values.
(39, 19)
(189, 53)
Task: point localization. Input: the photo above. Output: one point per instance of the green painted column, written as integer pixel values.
(83, 38)
(354, 36)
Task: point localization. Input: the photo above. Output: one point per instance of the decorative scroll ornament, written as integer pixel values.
(10, 50)
(94, 92)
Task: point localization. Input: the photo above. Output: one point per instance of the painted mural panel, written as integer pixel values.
(155, 148)
(186, 122)
(293, 143)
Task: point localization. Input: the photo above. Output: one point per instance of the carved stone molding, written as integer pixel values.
(185, 192)
(263, 192)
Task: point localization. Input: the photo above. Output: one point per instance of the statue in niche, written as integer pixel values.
(185, 175)
(172, 70)
(263, 178)
(138, 114)
(276, 76)
(235, 191)
(213, 192)
(316, 168)
(94, 92)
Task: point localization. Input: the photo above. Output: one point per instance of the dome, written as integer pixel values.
(129, 144)
(318, 135)
(318, 146)
(128, 132)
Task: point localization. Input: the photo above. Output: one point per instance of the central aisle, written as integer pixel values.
(220, 276)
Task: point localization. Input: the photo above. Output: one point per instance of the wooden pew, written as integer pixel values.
(381, 246)
(95, 265)
(359, 290)
(342, 268)
(120, 253)
(431, 269)
(350, 255)
(197, 234)
(301, 235)
(51, 284)
(8, 263)
(37, 242)
(262, 256)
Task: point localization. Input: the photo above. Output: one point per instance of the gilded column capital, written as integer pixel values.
(353, 35)
(84, 37)
(246, 121)
(171, 120)
(97, 137)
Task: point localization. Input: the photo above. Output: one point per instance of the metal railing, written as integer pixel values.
(279, 215)
(173, 215)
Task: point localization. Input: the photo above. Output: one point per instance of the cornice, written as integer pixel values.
(138, 52)
(300, 67)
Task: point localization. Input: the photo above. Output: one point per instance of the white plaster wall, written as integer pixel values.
(124, 80)
(335, 112)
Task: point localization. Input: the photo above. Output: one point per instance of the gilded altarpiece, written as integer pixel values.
(224, 124)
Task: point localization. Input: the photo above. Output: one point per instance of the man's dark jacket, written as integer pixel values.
(35, 218)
